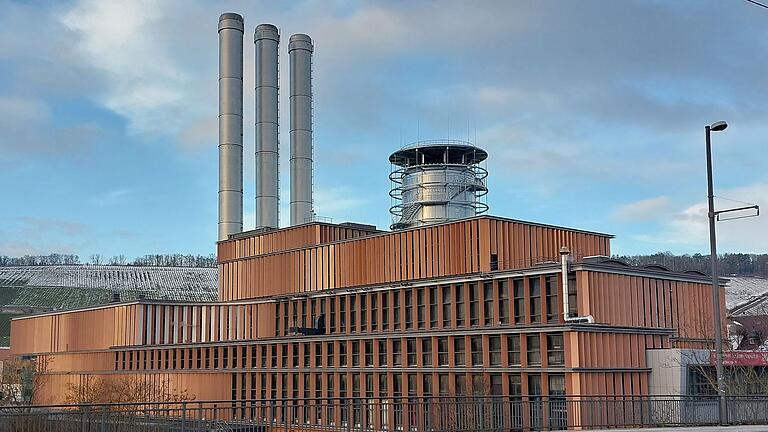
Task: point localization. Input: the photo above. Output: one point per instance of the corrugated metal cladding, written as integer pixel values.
(506, 328)
(256, 267)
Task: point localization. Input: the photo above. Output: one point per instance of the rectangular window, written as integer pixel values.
(427, 384)
(355, 353)
(534, 349)
(411, 384)
(329, 355)
(433, 307)
(305, 348)
(556, 385)
(534, 384)
(295, 355)
(343, 314)
(459, 305)
(285, 318)
(353, 313)
(518, 288)
(421, 310)
(397, 352)
(383, 386)
(476, 345)
(426, 351)
(442, 351)
(488, 303)
(535, 295)
(555, 352)
(447, 305)
(513, 350)
(304, 321)
(396, 309)
(459, 353)
(382, 353)
(495, 350)
(330, 386)
(494, 262)
(375, 312)
(503, 302)
(515, 385)
(385, 311)
(408, 309)
(442, 380)
(411, 348)
(332, 310)
(343, 354)
(363, 312)
(573, 307)
(474, 295)
(397, 384)
(461, 384)
(369, 353)
(318, 354)
(496, 389)
(295, 310)
(274, 356)
(277, 319)
(551, 303)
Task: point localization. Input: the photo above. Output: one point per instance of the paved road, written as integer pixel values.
(761, 428)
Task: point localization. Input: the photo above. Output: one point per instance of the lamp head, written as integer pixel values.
(718, 126)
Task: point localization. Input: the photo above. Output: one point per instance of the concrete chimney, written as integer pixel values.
(300, 53)
(266, 40)
(231, 28)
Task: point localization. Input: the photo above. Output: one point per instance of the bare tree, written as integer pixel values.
(123, 389)
(22, 380)
(96, 259)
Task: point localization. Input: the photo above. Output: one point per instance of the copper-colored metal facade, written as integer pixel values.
(426, 311)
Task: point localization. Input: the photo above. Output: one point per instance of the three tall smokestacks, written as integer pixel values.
(266, 43)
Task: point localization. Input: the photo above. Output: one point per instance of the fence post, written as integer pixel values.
(285, 416)
(103, 419)
(350, 414)
(183, 416)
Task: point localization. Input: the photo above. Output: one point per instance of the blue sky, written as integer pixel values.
(592, 113)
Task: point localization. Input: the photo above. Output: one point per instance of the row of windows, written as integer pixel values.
(393, 384)
(314, 394)
(476, 350)
(500, 302)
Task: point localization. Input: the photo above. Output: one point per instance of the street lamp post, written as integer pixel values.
(717, 127)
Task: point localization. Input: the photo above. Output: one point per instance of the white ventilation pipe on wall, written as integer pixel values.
(564, 256)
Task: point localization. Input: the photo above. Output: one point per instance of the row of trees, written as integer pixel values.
(741, 264)
(152, 260)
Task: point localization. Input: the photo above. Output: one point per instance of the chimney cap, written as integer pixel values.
(266, 31)
(231, 21)
(300, 41)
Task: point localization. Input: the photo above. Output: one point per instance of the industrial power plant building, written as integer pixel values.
(450, 302)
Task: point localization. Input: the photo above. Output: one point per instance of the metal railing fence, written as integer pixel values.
(438, 414)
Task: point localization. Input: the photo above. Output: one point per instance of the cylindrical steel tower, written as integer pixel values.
(266, 40)
(300, 52)
(437, 181)
(230, 124)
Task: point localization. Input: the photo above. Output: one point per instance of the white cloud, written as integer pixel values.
(689, 227)
(145, 82)
(644, 210)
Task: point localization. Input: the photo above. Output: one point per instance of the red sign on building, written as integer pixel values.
(742, 358)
